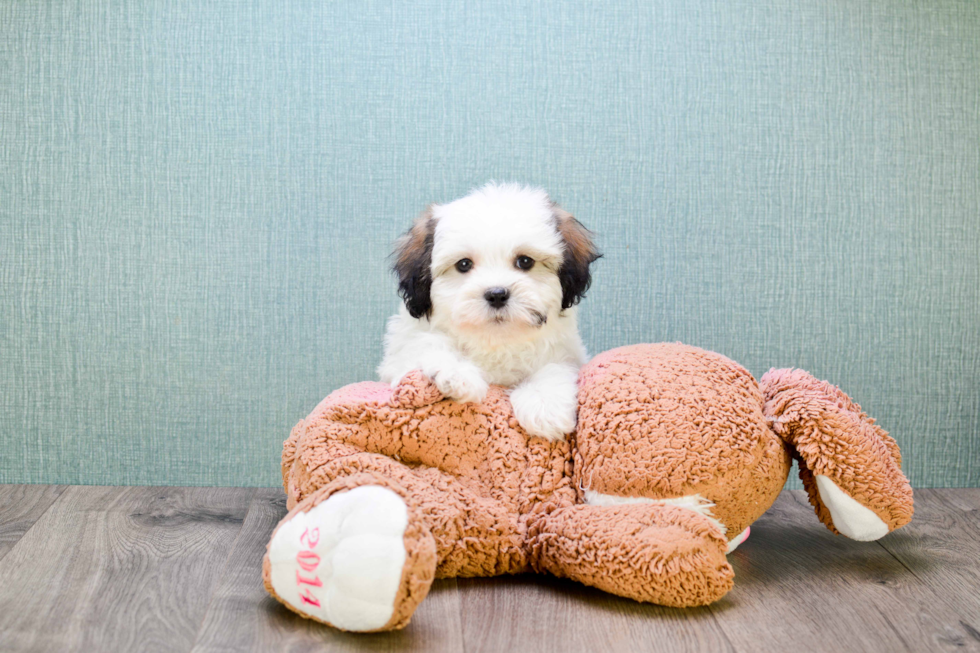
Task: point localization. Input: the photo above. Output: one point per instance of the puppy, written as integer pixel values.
(490, 283)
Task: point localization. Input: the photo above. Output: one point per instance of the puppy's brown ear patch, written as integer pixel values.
(580, 253)
(413, 265)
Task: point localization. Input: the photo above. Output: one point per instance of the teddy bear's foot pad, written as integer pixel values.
(738, 539)
(341, 562)
(850, 517)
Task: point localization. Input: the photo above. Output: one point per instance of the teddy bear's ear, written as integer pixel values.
(413, 263)
(580, 252)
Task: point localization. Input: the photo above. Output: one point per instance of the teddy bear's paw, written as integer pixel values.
(863, 492)
(342, 561)
(543, 413)
(463, 382)
(414, 390)
(849, 516)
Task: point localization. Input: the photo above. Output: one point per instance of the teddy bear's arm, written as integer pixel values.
(850, 467)
(648, 552)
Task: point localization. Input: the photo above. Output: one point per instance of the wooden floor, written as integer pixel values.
(178, 569)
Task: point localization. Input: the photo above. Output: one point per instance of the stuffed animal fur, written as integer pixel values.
(677, 451)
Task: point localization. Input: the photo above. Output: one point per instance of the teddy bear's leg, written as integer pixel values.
(394, 529)
(850, 467)
(355, 555)
(648, 552)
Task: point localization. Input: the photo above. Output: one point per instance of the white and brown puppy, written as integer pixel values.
(490, 282)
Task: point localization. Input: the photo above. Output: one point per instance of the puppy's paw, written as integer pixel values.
(544, 412)
(462, 382)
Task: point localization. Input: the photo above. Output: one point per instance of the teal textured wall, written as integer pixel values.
(197, 199)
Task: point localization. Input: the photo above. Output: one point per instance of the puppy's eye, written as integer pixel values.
(464, 265)
(524, 262)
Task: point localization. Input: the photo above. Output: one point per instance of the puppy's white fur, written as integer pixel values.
(456, 337)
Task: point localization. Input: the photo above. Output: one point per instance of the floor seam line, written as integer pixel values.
(224, 568)
(721, 628)
(899, 560)
(64, 490)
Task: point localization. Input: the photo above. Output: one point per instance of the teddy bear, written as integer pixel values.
(676, 452)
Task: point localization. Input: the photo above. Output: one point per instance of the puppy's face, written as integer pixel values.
(498, 263)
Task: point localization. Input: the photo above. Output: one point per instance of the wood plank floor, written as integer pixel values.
(178, 569)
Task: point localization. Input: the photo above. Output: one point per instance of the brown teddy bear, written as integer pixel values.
(677, 451)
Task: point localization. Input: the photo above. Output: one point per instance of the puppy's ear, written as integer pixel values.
(413, 265)
(580, 253)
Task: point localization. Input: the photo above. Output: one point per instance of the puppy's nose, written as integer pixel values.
(497, 297)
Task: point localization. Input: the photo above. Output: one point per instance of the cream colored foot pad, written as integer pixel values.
(850, 517)
(342, 561)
